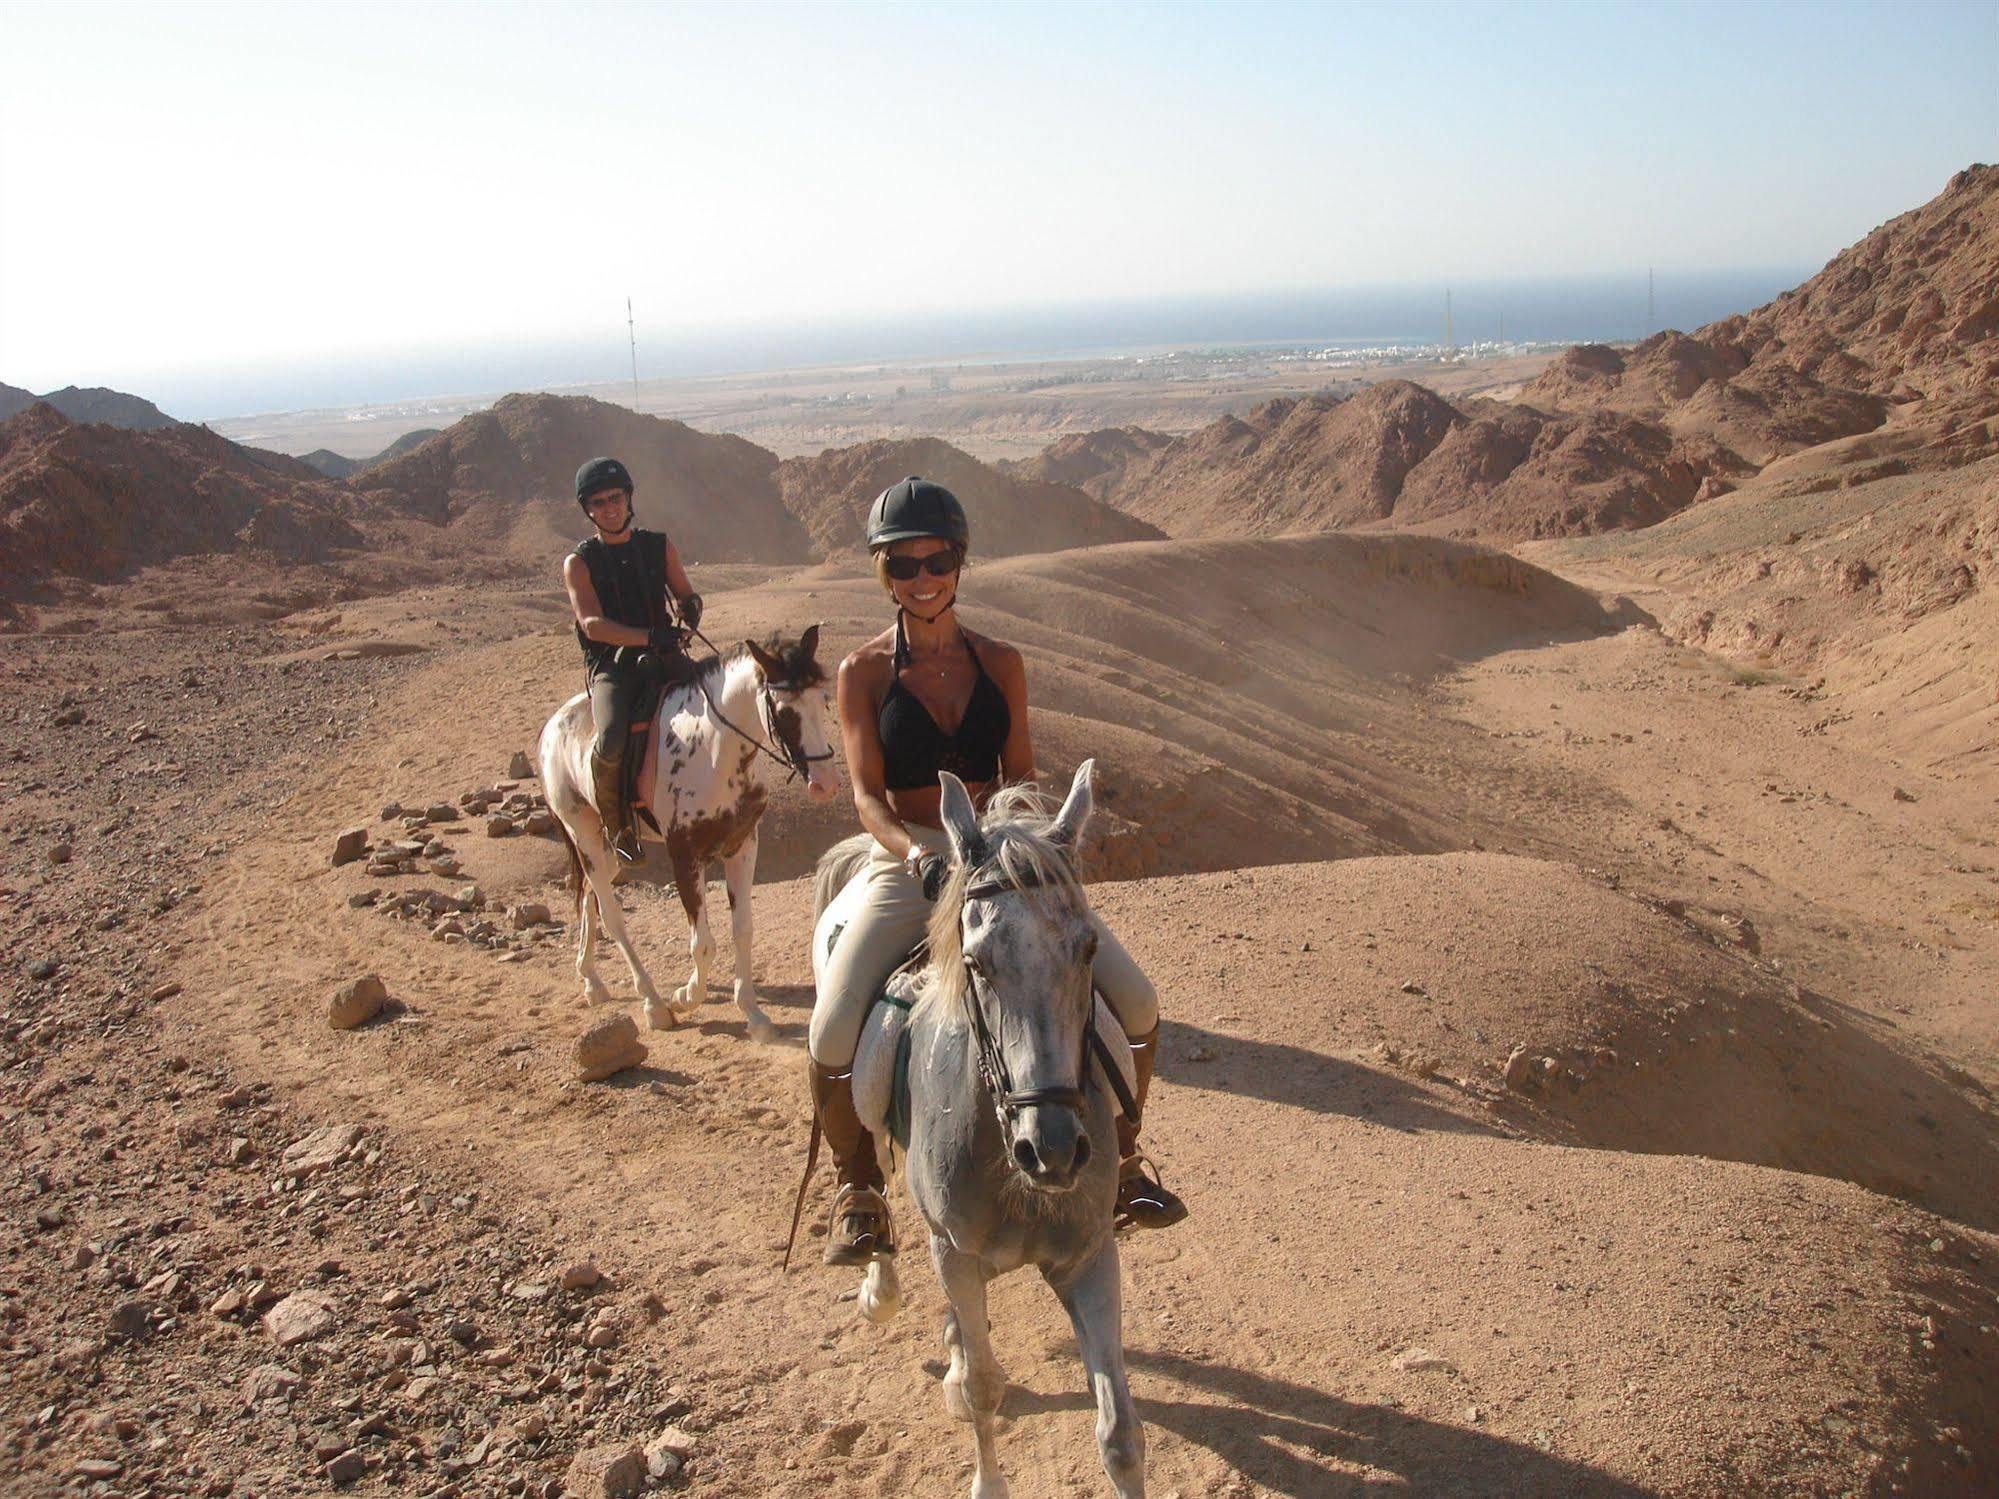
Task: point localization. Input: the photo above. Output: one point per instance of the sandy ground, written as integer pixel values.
(1729, 1228)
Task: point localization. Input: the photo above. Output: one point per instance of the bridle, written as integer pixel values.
(1007, 1100)
(794, 762)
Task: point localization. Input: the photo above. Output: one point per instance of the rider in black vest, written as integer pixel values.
(619, 583)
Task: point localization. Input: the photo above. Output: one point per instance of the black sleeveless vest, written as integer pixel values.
(630, 580)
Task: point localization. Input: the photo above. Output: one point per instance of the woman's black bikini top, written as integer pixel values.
(914, 749)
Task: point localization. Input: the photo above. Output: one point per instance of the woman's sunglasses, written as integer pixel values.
(937, 564)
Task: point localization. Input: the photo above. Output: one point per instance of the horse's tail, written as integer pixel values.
(837, 865)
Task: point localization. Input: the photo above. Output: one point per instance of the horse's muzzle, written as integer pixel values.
(1050, 1147)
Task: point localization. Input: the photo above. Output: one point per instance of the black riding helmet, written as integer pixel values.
(602, 473)
(917, 508)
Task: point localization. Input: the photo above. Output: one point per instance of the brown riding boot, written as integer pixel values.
(860, 1229)
(1142, 1199)
(608, 790)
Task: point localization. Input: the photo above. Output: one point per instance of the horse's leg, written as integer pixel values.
(690, 879)
(739, 872)
(975, 1383)
(1093, 1299)
(588, 923)
(880, 1296)
(598, 867)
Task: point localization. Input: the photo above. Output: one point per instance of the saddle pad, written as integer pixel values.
(881, 1060)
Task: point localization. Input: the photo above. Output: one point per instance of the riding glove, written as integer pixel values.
(690, 611)
(665, 638)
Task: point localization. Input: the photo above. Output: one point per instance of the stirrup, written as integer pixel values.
(862, 1244)
(626, 846)
(1143, 1201)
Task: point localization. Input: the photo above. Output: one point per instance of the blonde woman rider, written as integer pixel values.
(897, 693)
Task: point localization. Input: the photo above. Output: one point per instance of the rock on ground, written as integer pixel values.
(606, 1473)
(608, 1047)
(299, 1318)
(356, 1002)
(349, 846)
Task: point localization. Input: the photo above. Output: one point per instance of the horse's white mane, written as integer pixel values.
(1018, 850)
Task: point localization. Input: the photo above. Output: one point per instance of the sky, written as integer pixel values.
(195, 198)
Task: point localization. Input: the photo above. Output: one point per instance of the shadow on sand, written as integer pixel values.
(1303, 1079)
(1286, 1437)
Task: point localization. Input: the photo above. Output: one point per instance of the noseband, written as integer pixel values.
(1007, 1100)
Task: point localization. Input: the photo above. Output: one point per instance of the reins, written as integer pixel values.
(796, 765)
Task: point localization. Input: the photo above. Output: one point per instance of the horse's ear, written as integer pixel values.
(961, 819)
(808, 643)
(766, 662)
(1076, 809)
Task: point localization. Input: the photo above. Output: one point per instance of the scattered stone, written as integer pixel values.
(356, 1002)
(607, 1473)
(1410, 986)
(320, 1150)
(839, 1440)
(601, 1335)
(526, 914)
(44, 969)
(299, 1318)
(582, 1276)
(607, 1048)
(352, 844)
(163, 991)
(661, 1465)
(98, 1467)
(500, 826)
(348, 1467)
(61, 853)
(68, 718)
(676, 1441)
(1519, 1069)
(1422, 1361)
(1900, 796)
(440, 812)
(130, 1321)
(268, 1382)
(391, 811)
(445, 865)
(541, 821)
(520, 767)
(464, 1331)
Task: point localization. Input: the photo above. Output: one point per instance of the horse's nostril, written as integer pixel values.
(1082, 1152)
(1023, 1153)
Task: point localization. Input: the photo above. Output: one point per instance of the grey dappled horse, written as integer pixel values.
(1030, 1181)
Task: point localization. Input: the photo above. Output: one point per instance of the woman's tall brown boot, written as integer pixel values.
(607, 785)
(1143, 1201)
(860, 1228)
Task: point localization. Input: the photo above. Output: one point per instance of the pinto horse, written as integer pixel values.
(712, 736)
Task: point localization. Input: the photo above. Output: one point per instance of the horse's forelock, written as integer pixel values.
(797, 671)
(1018, 852)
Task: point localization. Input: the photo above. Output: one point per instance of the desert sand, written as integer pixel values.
(1577, 961)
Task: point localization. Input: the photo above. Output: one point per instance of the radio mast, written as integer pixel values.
(631, 332)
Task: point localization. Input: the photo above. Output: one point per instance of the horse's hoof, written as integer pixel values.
(660, 1017)
(881, 1293)
(761, 1029)
(686, 998)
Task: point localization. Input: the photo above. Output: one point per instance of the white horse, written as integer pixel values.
(757, 703)
(1011, 1157)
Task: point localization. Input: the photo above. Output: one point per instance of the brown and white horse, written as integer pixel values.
(712, 737)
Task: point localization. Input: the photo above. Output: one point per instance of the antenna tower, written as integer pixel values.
(632, 333)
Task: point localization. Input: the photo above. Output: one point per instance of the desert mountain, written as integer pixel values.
(93, 404)
(1908, 315)
(716, 495)
(1398, 454)
(334, 466)
(1011, 515)
(1094, 462)
(96, 501)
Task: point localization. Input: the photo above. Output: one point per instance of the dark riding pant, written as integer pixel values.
(613, 694)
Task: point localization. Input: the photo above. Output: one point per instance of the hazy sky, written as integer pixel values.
(188, 188)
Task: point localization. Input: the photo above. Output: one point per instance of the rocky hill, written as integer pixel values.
(98, 502)
(1094, 462)
(716, 495)
(93, 404)
(1011, 515)
(335, 466)
(1908, 316)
